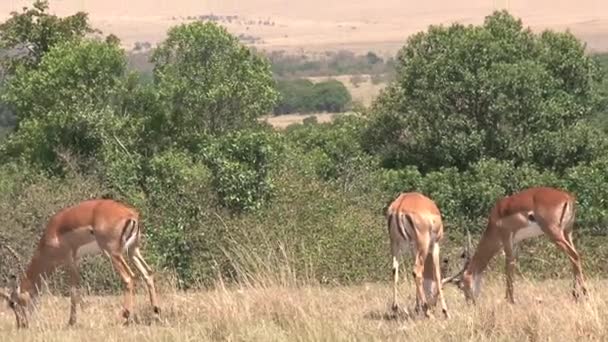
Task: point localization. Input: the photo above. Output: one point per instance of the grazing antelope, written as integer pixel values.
(415, 219)
(89, 227)
(526, 214)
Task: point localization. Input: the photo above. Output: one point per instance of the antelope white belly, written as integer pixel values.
(90, 248)
(530, 231)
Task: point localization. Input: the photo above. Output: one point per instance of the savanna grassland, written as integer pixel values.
(317, 26)
(263, 234)
(276, 311)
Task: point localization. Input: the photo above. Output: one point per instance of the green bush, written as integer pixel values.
(332, 150)
(209, 82)
(178, 192)
(296, 97)
(303, 96)
(85, 74)
(497, 90)
(242, 164)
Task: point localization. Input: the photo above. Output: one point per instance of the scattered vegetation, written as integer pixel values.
(331, 64)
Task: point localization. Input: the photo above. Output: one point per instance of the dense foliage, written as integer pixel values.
(474, 113)
(304, 96)
(209, 81)
(463, 93)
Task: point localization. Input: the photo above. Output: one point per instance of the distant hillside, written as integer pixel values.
(320, 25)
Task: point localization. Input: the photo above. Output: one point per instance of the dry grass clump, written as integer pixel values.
(280, 311)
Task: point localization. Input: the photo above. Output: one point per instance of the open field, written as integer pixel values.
(363, 92)
(544, 312)
(282, 121)
(318, 26)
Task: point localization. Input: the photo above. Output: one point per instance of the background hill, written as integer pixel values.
(320, 25)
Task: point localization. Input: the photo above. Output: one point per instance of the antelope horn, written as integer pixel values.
(15, 255)
(454, 277)
(469, 244)
(467, 255)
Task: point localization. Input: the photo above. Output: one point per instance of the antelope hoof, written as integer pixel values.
(126, 314)
(445, 313)
(395, 307)
(577, 294)
(156, 310)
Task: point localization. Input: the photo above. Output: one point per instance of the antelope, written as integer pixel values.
(90, 227)
(523, 215)
(414, 219)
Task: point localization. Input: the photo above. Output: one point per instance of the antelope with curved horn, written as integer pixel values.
(414, 219)
(90, 227)
(523, 215)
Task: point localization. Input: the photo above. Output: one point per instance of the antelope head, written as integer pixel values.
(458, 278)
(18, 301)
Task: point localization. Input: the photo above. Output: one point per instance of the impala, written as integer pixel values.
(526, 214)
(414, 219)
(90, 227)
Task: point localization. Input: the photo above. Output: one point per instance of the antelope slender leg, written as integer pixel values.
(395, 271)
(437, 275)
(74, 280)
(421, 254)
(563, 243)
(577, 269)
(509, 268)
(127, 277)
(145, 271)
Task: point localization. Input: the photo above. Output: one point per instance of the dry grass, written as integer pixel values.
(364, 92)
(282, 121)
(268, 312)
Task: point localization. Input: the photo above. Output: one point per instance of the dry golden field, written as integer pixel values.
(275, 311)
(318, 25)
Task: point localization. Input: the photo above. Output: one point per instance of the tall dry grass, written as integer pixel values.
(273, 303)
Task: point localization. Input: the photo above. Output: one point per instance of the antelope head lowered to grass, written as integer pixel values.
(90, 227)
(529, 213)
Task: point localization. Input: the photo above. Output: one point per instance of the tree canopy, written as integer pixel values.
(496, 90)
(210, 82)
(25, 37)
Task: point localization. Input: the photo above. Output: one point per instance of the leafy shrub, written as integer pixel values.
(209, 82)
(84, 74)
(178, 195)
(296, 97)
(464, 93)
(333, 149)
(242, 163)
(303, 96)
(42, 142)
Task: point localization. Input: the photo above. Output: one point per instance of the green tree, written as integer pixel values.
(331, 96)
(81, 74)
(209, 82)
(497, 90)
(69, 103)
(296, 96)
(304, 96)
(28, 35)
